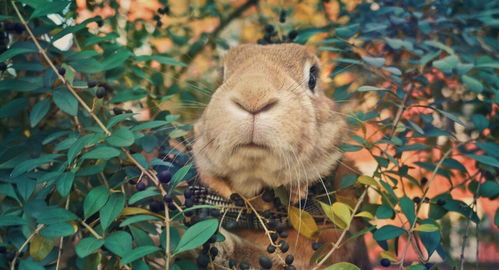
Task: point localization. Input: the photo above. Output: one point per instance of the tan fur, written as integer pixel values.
(299, 134)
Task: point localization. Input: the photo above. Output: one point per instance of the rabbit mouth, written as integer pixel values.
(252, 145)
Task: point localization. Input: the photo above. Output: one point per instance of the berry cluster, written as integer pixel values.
(102, 88)
(271, 36)
(161, 11)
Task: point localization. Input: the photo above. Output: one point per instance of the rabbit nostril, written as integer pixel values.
(264, 108)
(267, 106)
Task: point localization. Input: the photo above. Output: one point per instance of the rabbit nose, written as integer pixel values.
(254, 111)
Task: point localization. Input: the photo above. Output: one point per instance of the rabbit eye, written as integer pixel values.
(312, 78)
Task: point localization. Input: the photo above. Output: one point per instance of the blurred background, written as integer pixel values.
(199, 32)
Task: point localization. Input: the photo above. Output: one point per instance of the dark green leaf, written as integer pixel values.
(112, 209)
(149, 192)
(407, 206)
(387, 232)
(15, 51)
(119, 243)
(138, 253)
(374, 61)
(39, 111)
(66, 102)
(485, 159)
(58, 230)
(64, 183)
(121, 137)
(88, 245)
(180, 174)
(102, 152)
(197, 235)
(95, 200)
(9, 220)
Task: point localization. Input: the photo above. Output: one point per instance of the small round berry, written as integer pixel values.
(274, 236)
(424, 180)
(416, 200)
(385, 262)
(188, 193)
(213, 252)
(164, 176)
(189, 203)
(117, 111)
(269, 28)
(283, 246)
(232, 263)
(61, 71)
(441, 202)
(19, 28)
(271, 249)
(140, 186)
(289, 267)
(316, 245)
(3, 249)
(235, 197)
(157, 17)
(168, 198)
(101, 92)
(156, 206)
(100, 22)
(292, 35)
(289, 259)
(282, 16)
(91, 84)
(203, 260)
(268, 195)
(265, 262)
(280, 227)
(283, 234)
(244, 266)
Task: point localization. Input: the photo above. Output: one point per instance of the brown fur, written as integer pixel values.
(297, 134)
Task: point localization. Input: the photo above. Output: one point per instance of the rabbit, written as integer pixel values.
(270, 124)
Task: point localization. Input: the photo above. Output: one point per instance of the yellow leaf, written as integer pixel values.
(130, 211)
(40, 247)
(365, 214)
(426, 228)
(367, 180)
(342, 211)
(389, 255)
(330, 213)
(303, 222)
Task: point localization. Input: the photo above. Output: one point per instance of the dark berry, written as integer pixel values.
(268, 195)
(283, 234)
(132, 182)
(157, 206)
(140, 186)
(269, 28)
(61, 71)
(292, 35)
(280, 228)
(167, 198)
(164, 176)
(3, 249)
(266, 214)
(213, 252)
(9, 27)
(261, 41)
(416, 199)
(159, 23)
(215, 213)
(189, 203)
(3, 67)
(101, 92)
(212, 239)
(117, 111)
(203, 260)
(424, 180)
(91, 84)
(274, 237)
(239, 203)
(100, 22)
(271, 249)
(282, 16)
(188, 193)
(244, 266)
(316, 245)
(235, 197)
(10, 256)
(289, 259)
(441, 202)
(385, 262)
(166, 10)
(157, 17)
(19, 28)
(289, 267)
(232, 263)
(265, 262)
(283, 246)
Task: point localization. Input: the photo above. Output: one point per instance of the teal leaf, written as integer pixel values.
(374, 61)
(95, 200)
(64, 183)
(121, 137)
(88, 245)
(387, 232)
(430, 240)
(149, 125)
(179, 175)
(161, 59)
(446, 64)
(342, 266)
(407, 206)
(16, 51)
(119, 243)
(137, 196)
(66, 102)
(472, 83)
(58, 230)
(9, 220)
(49, 8)
(102, 152)
(53, 215)
(347, 31)
(197, 235)
(112, 209)
(484, 159)
(13, 107)
(489, 189)
(17, 85)
(384, 211)
(137, 218)
(138, 253)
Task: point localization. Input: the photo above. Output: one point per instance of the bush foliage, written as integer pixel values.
(80, 173)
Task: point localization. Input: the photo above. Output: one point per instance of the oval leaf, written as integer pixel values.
(197, 235)
(95, 200)
(88, 245)
(302, 222)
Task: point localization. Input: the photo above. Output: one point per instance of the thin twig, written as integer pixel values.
(91, 230)
(468, 219)
(61, 240)
(13, 263)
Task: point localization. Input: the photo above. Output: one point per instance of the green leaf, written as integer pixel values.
(347, 31)
(118, 118)
(112, 209)
(384, 211)
(484, 159)
(53, 215)
(374, 61)
(366, 88)
(102, 152)
(17, 85)
(451, 117)
(13, 107)
(137, 218)
(430, 239)
(116, 59)
(16, 51)
(88, 245)
(40, 247)
(472, 83)
(407, 206)
(138, 253)
(39, 111)
(387, 232)
(342, 266)
(197, 235)
(121, 137)
(29, 264)
(58, 230)
(64, 183)
(161, 59)
(489, 189)
(119, 243)
(9, 220)
(137, 196)
(30, 164)
(438, 44)
(348, 180)
(446, 64)
(426, 228)
(367, 180)
(179, 175)
(97, 39)
(66, 102)
(95, 200)
(149, 125)
(128, 95)
(50, 8)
